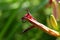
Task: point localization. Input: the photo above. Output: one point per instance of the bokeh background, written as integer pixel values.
(11, 25)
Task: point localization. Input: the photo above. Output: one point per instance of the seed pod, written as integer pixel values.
(53, 22)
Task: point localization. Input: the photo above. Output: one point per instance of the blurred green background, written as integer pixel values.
(11, 25)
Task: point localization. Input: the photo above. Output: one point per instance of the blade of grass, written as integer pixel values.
(16, 26)
(7, 25)
(13, 31)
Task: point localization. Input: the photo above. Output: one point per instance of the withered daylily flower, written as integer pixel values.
(35, 23)
(56, 9)
(44, 28)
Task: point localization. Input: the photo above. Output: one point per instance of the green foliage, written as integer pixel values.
(11, 25)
